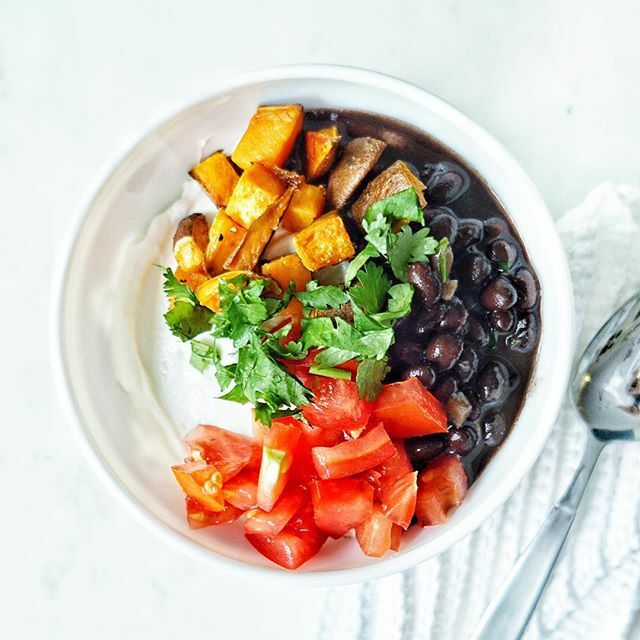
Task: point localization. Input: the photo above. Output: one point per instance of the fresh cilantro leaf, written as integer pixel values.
(187, 320)
(333, 356)
(369, 377)
(399, 305)
(204, 355)
(363, 322)
(359, 261)
(377, 228)
(177, 290)
(322, 297)
(403, 205)
(407, 247)
(236, 394)
(374, 344)
(372, 290)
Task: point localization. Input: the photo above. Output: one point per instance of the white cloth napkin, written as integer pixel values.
(595, 592)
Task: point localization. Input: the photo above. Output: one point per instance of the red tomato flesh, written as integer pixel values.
(341, 505)
(297, 543)
(277, 456)
(198, 517)
(375, 534)
(396, 537)
(398, 498)
(407, 409)
(353, 456)
(202, 482)
(228, 452)
(271, 523)
(441, 486)
(242, 490)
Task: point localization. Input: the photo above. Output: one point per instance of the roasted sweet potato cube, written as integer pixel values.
(208, 293)
(293, 311)
(258, 235)
(190, 241)
(288, 269)
(193, 280)
(394, 179)
(270, 136)
(217, 177)
(306, 205)
(225, 236)
(257, 189)
(321, 149)
(324, 243)
(359, 157)
(290, 178)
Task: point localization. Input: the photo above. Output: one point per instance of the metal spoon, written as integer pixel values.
(606, 393)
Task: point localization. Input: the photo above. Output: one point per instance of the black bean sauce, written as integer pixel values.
(475, 349)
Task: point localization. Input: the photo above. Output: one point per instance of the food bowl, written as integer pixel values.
(122, 401)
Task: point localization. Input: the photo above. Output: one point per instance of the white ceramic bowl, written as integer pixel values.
(119, 438)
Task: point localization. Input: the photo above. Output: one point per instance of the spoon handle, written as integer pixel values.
(510, 611)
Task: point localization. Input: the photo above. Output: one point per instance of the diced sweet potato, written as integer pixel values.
(293, 311)
(258, 235)
(394, 179)
(290, 178)
(288, 269)
(321, 148)
(359, 157)
(208, 293)
(193, 280)
(225, 237)
(217, 177)
(324, 243)
(190, 241)
(306, 205)
(270, 137)
(257, 189)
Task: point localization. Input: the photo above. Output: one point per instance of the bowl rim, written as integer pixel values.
(93, 455)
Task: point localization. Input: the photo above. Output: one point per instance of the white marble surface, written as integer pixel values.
(557, 82)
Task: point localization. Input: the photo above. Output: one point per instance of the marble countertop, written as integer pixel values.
(557, 83)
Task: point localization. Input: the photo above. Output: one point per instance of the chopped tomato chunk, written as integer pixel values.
(396, 537)
(198, 517)
(271, 523)
(353, 456)
(202, 482)
(229, 452)
(341, 505)
(298, 542)
(441, 486)
(320, 437)
(407, 409)
(398, 464)
(277, 456)
(242, 490)
(375, 534)
(398, 497)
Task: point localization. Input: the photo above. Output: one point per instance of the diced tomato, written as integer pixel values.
(295, 333)
(202, 482)
(302, 469)
(300, 368)
(271, 523)
(341, 505)
(336, 405)
(398, 464)
(229, 452)
(319, 437)
(441, 486)
(396, 537)
(277, 457)
(353, 456)
(242, 490)
(298, 542)
(407, 409)
(198, 517)
(375, 534)
(398, 497)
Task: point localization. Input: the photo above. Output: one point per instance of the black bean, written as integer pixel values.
(423, 372)
(406, 353)
(446, 387)
(477, 333)
(493, 382)
(458, 408)
(443, 350)
(472, 397)
(474, 269)
(525, 336)
(444, 225)
(446, 182)
(467, 364)
(426, 282)
(494, 429)
(526, 287)
(495, 227)
(424, 449)
(462, 441)
(455, 317)
(470, 232)
(498, 294)
(502, 320)
(502, 253)
(428, 320)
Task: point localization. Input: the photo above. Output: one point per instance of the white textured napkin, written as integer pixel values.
(595, 592)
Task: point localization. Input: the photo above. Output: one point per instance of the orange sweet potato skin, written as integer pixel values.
(321, 150)
(307, 204)
(225, 237)
(217, 177)
(258, 235)
(288, 269)
(190, 241)
(270, 136)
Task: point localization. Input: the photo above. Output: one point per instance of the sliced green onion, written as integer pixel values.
(330, 372)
